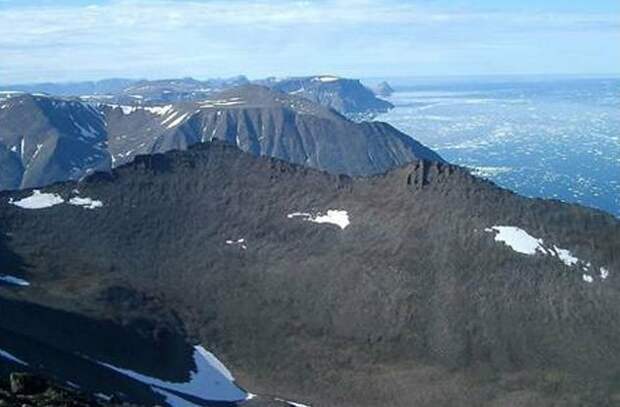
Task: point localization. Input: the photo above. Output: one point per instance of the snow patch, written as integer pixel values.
(127, 110)
(326, 78)
(155, 110)
(159, 110)
(210, 381)
(604, 273)
(292, 403)
(177, 121)
(566, 256)
(522, 242)
(336, 217)
(517, 239)
(38, 200)
(13, 280)
(587, 278)
(239, 242)
(103, 397)
(8, 356)
(87, 203)
(221, 103)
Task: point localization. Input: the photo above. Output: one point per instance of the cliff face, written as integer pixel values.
(347, 96)
(423, 286)
(45, 140)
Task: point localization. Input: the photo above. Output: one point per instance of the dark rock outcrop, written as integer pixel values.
(29, 390)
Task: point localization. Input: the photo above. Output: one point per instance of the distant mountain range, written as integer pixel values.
(423, 286)
(46, 139)
(347, 96)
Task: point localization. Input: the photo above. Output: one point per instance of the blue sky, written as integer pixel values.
(63, 40)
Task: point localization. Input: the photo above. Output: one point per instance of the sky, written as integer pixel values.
(72, 40)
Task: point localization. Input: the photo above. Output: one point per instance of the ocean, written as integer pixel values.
(541, 137)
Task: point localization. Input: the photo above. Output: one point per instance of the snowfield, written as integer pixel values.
(38, 200)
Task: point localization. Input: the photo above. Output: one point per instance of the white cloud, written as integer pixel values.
(166, 37)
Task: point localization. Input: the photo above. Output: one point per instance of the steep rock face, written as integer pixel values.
(347, 96)
(410, 299)
(45, 140)
(263, 122)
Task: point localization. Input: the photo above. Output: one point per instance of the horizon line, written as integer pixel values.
(609, 75)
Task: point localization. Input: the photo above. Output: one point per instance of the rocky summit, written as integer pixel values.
(212, 276)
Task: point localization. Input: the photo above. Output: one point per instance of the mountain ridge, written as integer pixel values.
(412, 287)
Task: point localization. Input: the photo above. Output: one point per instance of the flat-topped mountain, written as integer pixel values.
(45, 139)
(424, 286)
(347, 96)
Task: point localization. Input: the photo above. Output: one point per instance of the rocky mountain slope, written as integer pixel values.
(45, 139)
(103, 87)
(424, 286)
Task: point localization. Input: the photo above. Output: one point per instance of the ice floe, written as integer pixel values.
(6, 355)
(336, 217)
(38, 200)
(522, 242)
(488, 171)
(210, 381)
(4, 278)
